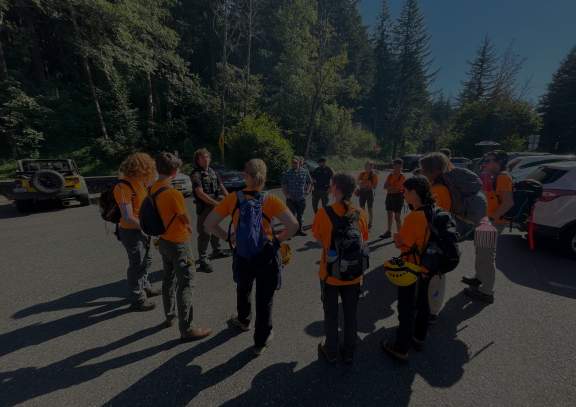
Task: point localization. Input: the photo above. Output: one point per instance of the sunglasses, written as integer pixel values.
(489, 160)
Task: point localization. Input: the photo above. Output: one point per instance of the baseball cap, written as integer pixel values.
(321, 160)
(296, 159)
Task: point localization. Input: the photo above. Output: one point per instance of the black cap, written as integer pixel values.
(321, 160)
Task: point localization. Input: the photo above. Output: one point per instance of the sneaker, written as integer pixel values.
(389, 348)
(369, 225)
(259, 351)
(331, 356)
(476, 293)
(301, 233)
(433, 319)
(348, 356)
(236, 321)
(205, 268)
(196, 334)
(472, 281)
(143, 305)
(223, 254)
(171, 320)
(153, 292)
(418, 345)
(386, 235)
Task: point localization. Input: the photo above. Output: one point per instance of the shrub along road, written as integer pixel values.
(68, 338)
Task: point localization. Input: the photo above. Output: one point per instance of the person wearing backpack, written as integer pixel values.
(175, 249)
(394, 197)
(368, 181)
(341, 270)
(139, 172)
(257, 255)
(500, 200)
(413, 306)
(433, 167)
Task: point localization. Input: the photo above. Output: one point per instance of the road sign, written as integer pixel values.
(377, 149)
(533, 143)
(176, 153)
(221, 142)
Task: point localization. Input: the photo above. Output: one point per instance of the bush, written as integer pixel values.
(260, 138)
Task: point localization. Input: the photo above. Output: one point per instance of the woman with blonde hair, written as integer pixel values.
(139, 173)
(263, 267)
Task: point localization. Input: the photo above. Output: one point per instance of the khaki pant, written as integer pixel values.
(205, 237)
(439, 285)
(484, 264)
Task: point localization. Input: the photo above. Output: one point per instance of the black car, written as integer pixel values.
(410, 162)
(231, 178)
(310, 165)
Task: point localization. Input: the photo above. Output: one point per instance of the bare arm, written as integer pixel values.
(224, 191)
(290, 223)
(186, 219)
(507, 203)
(212, 223)
(128, 210)
(202, 195)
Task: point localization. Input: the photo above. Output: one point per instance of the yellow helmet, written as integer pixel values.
(286, 253)
(401, 273)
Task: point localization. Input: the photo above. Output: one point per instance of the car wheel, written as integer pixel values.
(84, 200)
(48, 181)
(25, 205)
(568, 242)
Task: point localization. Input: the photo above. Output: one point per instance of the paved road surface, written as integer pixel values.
(67, 337)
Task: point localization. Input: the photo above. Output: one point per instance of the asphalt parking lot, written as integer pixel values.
(68, 337)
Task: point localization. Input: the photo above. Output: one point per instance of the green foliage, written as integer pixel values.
(260, 137)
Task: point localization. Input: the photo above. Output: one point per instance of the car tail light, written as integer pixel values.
(551, 194)
(224, 177)
(242, 175)
(513, 165)
(17, 184)
(76, 180)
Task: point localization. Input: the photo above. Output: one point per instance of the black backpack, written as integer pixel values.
(149, 217)
(347, 240)
(109, 209)
(441, 252)
(525, 193)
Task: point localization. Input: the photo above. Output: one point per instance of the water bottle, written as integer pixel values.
(430, 251)
(331, 256)
(343, 266)
(366, 250)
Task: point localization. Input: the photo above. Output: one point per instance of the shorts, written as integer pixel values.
(366, 197)
(394, 202)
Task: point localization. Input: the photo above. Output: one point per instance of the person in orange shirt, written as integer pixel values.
(342, 188)
(262, 268)
(433, 167)
(499, 202)
(368, 181)
(176, 252)
(394, 197)
(413, 306)
(139, 171)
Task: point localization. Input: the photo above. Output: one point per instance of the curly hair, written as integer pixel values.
(345, 182)
(197, 155)
(141, 167)
(422, 186)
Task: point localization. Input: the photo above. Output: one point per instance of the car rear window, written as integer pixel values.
(547, 175)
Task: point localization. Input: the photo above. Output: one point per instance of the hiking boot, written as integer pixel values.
(472, 281)
(153, 292)
(418, 345)
(386, 235)
(222, 255)
(389, 348)
(143, 305)
(476, 293)
(301, 233)
(196, 334)
(331, 356)
(433, 319)
(258, 351)
(171, 320)
(236, 321)
(205, 268)
(348, 356)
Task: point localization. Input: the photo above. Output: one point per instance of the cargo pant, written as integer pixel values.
(484, 263)
(319, 195)
(134, 242)
(178, 283)
(349, 294)
(205, 237)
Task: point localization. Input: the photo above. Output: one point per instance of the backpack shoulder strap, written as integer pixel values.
(356, 215)
(262, 196)
(123, 181)
(331, 214)
(158, 192)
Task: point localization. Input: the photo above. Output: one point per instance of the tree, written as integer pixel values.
(251, 20)
(481, 76)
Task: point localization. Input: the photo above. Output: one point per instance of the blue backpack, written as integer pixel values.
(149, 217)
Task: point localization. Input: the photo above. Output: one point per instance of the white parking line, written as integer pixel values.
(562, 285)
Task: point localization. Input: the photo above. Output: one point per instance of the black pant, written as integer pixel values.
(264, 269)
(413, 314)
(297, 208)
(319, 195)
(349, 294)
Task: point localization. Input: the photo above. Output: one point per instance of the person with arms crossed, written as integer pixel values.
(394, 197)
(296, 186)
(321, 177)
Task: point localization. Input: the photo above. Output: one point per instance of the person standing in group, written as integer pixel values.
(500, 200)
(394, 197)
(139, 172)
(413, 307)
(433, 167)
(321, 177)
(263, 267)
(296, 186)
(176, 251)
(342, 188)
(207, 187)
(368, 180)
(448, 155)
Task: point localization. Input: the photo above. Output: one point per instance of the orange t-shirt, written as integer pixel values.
(170, 203)
(273, 206)
(322, 230)
(396, 181)
(412, 231)
(140, 192)
(443, 199)
(503, 183)
(366, 176)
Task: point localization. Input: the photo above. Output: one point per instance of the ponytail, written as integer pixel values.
(256, 168)
(346, 184)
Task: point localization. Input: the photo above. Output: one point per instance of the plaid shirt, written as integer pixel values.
(296, 183)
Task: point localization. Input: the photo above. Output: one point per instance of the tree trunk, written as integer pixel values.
(156, 95)
(224, 79)
(150, 105)
(95, 98)
(311, 124)
(248, 59)
(36, 57)
(3, 70)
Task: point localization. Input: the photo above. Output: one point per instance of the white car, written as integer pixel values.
(460, 162)
(181, 182)
(555, 213)
(521, 167)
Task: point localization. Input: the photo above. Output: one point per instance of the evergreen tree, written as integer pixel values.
(481, 75)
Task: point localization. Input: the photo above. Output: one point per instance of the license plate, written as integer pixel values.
(18, 190)
(177, 187)
(234, 179)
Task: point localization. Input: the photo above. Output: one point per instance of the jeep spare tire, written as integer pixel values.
(48, 181)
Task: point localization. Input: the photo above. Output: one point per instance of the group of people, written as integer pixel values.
(418, 304)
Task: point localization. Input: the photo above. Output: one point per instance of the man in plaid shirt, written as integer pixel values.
(296, 185)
